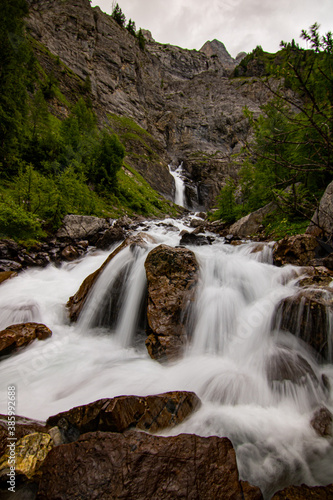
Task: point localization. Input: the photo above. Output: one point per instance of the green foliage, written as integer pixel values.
(118, 16)
(227, 207)
(107, 161)
(141, 40)
(16, 63)
(290, 159)
(16, 223)
(131, 27)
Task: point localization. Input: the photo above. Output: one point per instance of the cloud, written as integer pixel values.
(239, 24)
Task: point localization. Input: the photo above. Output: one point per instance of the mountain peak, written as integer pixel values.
(217, 49)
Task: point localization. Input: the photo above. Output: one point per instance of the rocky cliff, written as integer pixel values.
(184, 99)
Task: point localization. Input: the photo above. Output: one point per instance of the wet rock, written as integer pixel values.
(76, 302)
(70, 253)
(141, 466)
(16, 336)
(305, 492)
(316, 277)
(9, 266)
(250, 224)
(149, 413)
(30, 453)
(111, 236)
(288, 365)
(194, 239)
(172, 276)
(23, 426)
(78, 227)
(322, 221)
(123, 222)
(298, 250)
(322, 422)
(306, 315)
(6, 275)
(251, 492)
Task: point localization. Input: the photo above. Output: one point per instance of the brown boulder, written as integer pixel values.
(172, 275)
(7, 275)
(322, 422)
(76, 302)
(70, 253)
(20, 335)
(298, 250)
(150, 413)
(251, 492)
(23, 426)
(306, 316)
(30, 452)
(141, 466)
(305, 492)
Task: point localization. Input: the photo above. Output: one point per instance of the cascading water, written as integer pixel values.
(258, 386)
(179, 197)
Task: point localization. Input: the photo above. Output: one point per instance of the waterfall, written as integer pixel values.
(259, 386)
(179, 198)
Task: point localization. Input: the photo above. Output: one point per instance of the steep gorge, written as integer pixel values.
(185, 99)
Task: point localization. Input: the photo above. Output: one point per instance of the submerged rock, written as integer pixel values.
(20, 335)
(305, 492)
(149, 413)
(172, 276)
(307, 316)
(76, 302)
(142, 466)
(322, 422)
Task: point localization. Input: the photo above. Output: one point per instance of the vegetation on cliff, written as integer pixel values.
(55, 158)
(289, 160)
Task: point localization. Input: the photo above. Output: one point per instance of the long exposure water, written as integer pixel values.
(227, 363)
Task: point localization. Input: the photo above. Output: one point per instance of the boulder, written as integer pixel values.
(298, 250)
(251, 492)
(76, 302)
(20, 335)
(321, 224)
(141, 466)
(70, 253)
(322, 422)
(81, 227)
(150, 413)
(250, 224)
(305, 492)
(7, 275)
(306, 315)
(172, 276)
(194, 239)
(23, 426)
(30, 452)
(109, 237)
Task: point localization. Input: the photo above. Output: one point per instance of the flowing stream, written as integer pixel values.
(228, 363)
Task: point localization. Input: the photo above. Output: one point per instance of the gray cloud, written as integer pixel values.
(239, 24)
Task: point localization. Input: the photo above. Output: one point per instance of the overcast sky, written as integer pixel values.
(240, 24)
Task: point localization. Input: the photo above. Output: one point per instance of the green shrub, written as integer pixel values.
(16, 223)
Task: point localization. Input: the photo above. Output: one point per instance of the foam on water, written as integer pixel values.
(231, 361)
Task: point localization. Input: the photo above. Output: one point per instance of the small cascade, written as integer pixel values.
(258, 385)
(179, 197)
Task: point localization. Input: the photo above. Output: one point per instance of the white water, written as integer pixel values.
(179, 198)
(226, 363)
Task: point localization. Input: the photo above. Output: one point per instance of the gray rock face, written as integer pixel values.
(217, 49)
(183, 98)
(322, 220)
(249, 225)
(81, 226)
